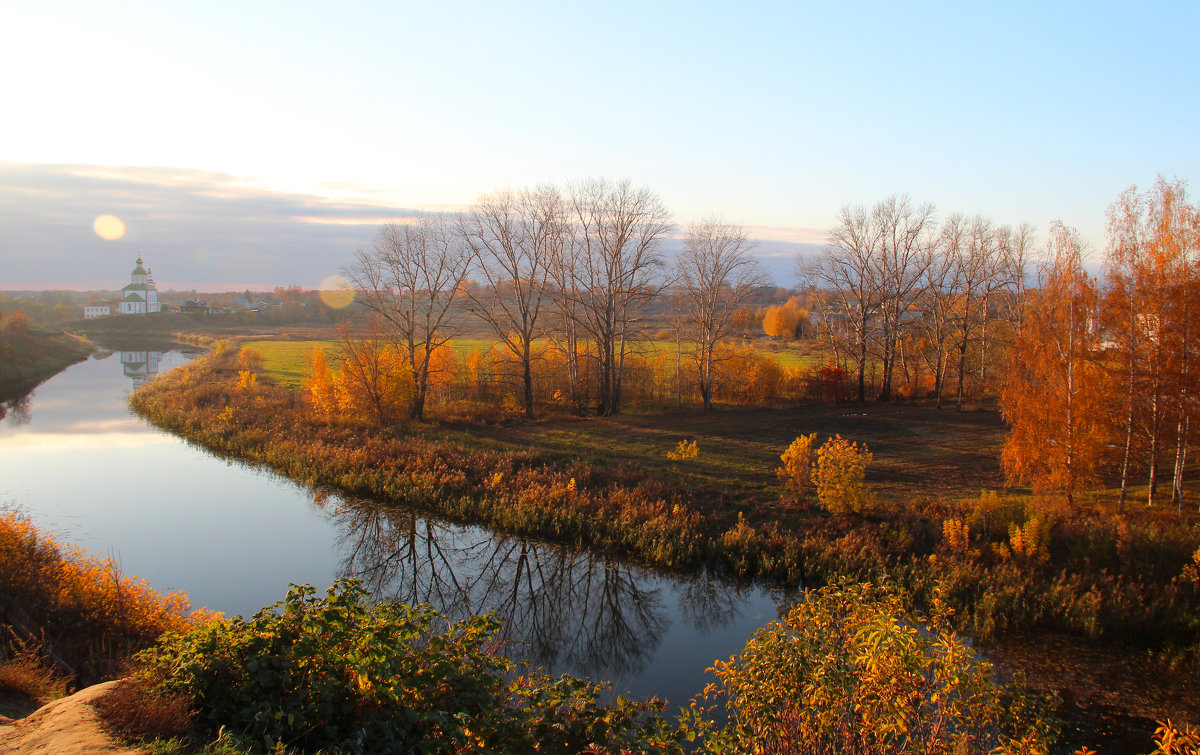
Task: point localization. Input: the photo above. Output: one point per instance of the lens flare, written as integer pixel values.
(109, 227)
(337, 292)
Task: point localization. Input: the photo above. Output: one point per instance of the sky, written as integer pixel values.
(260, 144)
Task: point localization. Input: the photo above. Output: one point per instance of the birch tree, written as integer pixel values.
(905, 235)
(1052, 395)
(847, 268)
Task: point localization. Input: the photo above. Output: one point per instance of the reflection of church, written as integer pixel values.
(140, 296)
(140, 366)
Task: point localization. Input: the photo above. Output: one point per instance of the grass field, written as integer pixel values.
(286, 361)
(919, 451)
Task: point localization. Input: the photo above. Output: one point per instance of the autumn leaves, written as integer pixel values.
(1101, 378)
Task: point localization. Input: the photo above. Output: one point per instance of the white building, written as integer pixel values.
(141, 295)
(96, 310)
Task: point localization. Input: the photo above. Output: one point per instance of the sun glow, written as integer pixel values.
(109, 227)
(337, 292)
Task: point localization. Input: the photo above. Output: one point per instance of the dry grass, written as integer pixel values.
(27, 674)
(134, 711)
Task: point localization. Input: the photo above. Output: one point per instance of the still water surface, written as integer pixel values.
(233, 537)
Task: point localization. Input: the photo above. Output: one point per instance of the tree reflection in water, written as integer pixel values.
(17, 410)
(564, 609)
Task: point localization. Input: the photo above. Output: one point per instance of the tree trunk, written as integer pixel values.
(1182, 401)
(1129, 403)
(1180, 461)
(527, 378)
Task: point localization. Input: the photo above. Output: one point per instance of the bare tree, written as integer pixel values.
(936, 302)
(716, 274)
(409, 278)
(848, 269)
(1015, 247)
(514, 238)
(974, 244)
(615, 269)
(905, 233)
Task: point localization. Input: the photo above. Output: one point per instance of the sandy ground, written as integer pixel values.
(69, 726)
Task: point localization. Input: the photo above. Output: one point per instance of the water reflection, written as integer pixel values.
(563, 608)
(233, 537)
(140, 366)
(17, 410)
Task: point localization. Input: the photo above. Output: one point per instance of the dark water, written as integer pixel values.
(233, 537)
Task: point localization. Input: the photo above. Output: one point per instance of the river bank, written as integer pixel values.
(29, 354)
(1016, 565)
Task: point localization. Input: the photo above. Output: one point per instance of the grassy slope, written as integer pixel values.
(28, 358)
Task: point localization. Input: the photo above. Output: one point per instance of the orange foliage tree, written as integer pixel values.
(375, 382)
(782, 321)
(1151, 294)
(1052, 397)
(318, 388)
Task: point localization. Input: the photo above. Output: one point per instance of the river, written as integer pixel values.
(76, 461)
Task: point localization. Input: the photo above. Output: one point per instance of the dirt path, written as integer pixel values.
(69, 726)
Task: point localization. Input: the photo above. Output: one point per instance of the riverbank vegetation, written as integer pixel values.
(63, 603)
(573, 425)
(30, 353)
(345, 673)
(1003, 565)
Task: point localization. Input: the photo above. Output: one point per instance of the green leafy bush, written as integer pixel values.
(343, 673)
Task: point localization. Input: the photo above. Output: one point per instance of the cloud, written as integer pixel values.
(195, 228)
(213, 231)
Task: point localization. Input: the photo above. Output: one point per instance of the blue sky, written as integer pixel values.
(772, 116)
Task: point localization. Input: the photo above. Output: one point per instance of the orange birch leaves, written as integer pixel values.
(1053, 394)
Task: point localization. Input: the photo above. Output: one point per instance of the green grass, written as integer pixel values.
(286, 362)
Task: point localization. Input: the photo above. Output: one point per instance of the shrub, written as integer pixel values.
(841, 476)
(1172, 740)
(1031, 541)
(956, 534)
(799, 461)
(88, 607)
(850, 670)
(686, 450)
(345, 674)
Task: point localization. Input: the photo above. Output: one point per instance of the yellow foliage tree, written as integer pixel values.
(374, 383)
(841, 476)
(799, 460)
(318, 388)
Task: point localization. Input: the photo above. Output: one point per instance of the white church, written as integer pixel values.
(141, 295)
(138, 298)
